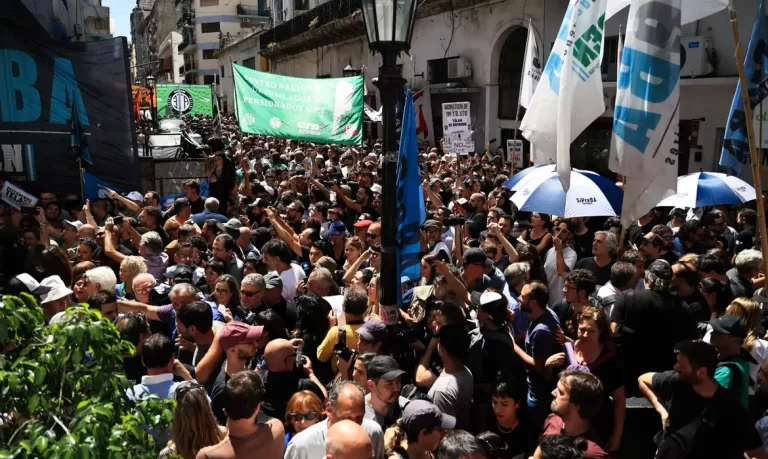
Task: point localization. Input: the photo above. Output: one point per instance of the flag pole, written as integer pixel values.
(756, 181)
(80, 168)
(517, 112)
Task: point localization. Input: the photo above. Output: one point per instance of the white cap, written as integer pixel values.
(74, 224)
(58, 289)
(31, 283)
(135, 196)
(376, 188)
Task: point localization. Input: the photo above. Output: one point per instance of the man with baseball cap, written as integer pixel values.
(433, 230)
(424, 426)
(239, 341)
(383, 403)
(728, 333)
(56, 299)
(372, 336)
(70, 236)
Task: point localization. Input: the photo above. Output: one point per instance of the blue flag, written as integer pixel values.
(78, 139)
(95, 188)
(410, 199)
(736, 142)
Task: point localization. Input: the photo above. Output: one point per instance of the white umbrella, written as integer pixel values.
(701, 189)
(590, 194)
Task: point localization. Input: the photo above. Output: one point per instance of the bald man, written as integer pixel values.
(142, 287)
(346, 402)
(284, 377)
(244, 242)
(348, 440)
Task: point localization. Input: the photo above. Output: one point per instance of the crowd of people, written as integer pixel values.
(257, 310)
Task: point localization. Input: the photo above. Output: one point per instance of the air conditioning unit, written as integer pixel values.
(695, 54)
(459, 67)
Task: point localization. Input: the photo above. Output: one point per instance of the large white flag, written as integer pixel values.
(648, 106)
(692, 10)
(570, 96)
(531, 68)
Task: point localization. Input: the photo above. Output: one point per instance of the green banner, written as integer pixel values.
(328, 110)
(174, 100)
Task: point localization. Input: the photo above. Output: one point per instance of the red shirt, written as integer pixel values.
(554, 426)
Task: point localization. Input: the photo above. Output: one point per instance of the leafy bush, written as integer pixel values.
(62, 388)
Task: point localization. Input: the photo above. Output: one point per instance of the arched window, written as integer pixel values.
(510, 68)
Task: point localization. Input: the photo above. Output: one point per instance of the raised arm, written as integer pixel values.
(346, 200)
(132, 206)
(495, 230)
(110, 246)
(88, 215)
(284, 232)
(349, 274)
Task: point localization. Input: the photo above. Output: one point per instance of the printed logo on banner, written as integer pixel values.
(16, 197)
(586, 201)
(181, 101)
(274, 122)
(248, 118)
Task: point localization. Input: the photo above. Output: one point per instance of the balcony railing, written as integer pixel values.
(320, 16)
(261, 10)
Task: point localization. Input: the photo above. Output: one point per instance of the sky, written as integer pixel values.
(120, 16)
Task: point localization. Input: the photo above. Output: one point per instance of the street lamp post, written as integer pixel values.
(389, 26)
(150, 82)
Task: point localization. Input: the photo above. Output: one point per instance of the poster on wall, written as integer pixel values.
(142, 103)
(37, 98)
(328, 110)
(177, 100)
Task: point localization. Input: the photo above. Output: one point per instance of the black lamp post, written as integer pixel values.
(389, 25)
(150, 81)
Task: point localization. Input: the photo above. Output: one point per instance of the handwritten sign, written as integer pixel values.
(456, 117)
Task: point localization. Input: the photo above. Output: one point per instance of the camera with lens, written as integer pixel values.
(340, 348)
(454, 221)
(246, 315)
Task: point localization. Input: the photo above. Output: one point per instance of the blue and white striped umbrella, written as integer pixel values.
(590, 195)
(701, 189)
(527, 172)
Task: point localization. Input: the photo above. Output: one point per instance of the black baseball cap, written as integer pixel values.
(661, 269)
(476, 256)
(421, 415)
(730, 325)
(180, 273)
(384, 367)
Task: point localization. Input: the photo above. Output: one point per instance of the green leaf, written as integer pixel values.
(39, 375)
(34, 402)
(41, 443)
(77, 356)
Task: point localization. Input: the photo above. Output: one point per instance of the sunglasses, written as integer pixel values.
(249, 294)
(311, 416)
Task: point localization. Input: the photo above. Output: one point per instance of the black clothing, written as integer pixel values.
(519, 440)
(134, 369)
(602, 274)
(650, 324)
(280, 387)
(728, 432)
(671, 257)
(635, 232)
(745, 240)
(198, 206)
(697, 304)
(287, 311)
(583, 244)
(739, 285)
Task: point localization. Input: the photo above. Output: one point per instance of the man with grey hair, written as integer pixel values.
(747, 266)
(517, 275)
(648, 323)
(321, 283)
(604, 250)
(179, 295)
(101, 278)
(151, 250)
(346, 402)
(252, 291)
(211, 211)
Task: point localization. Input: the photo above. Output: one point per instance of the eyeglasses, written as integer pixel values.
(249, 294)
(221, 290)
(311, 416)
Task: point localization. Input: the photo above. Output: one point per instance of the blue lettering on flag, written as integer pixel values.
(644, 121)
(23, 84)
(638, 71)
(66, 92)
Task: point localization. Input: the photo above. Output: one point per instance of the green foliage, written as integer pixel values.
(62, 387)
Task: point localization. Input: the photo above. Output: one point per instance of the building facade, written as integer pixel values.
(207, 24)
(72, 20)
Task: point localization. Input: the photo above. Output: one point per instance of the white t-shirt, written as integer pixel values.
(291, 278)
(555, 282)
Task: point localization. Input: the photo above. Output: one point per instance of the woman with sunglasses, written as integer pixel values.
(226, 294)
(193, 426)
(304, 410)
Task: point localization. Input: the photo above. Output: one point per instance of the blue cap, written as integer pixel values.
(337, 228)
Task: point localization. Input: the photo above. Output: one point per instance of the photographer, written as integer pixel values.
(339, 341)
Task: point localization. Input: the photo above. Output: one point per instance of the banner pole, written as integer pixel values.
(80, 168)
(756, 180)
(514, 140)
(622, 236)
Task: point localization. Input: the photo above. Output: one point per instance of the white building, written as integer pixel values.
(489, 39)
(171, 58)
(206, 24)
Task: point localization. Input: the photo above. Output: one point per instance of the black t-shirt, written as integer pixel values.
(745, 240)
(198, 206)
(519, 440)
(287, 311)
(134, 369)
(651, 323)
(280, 387)
(671, 257)
(602, 274)
(697, 304)
(636, 232)
(583, 244)
(729, 431)
(216, 393)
